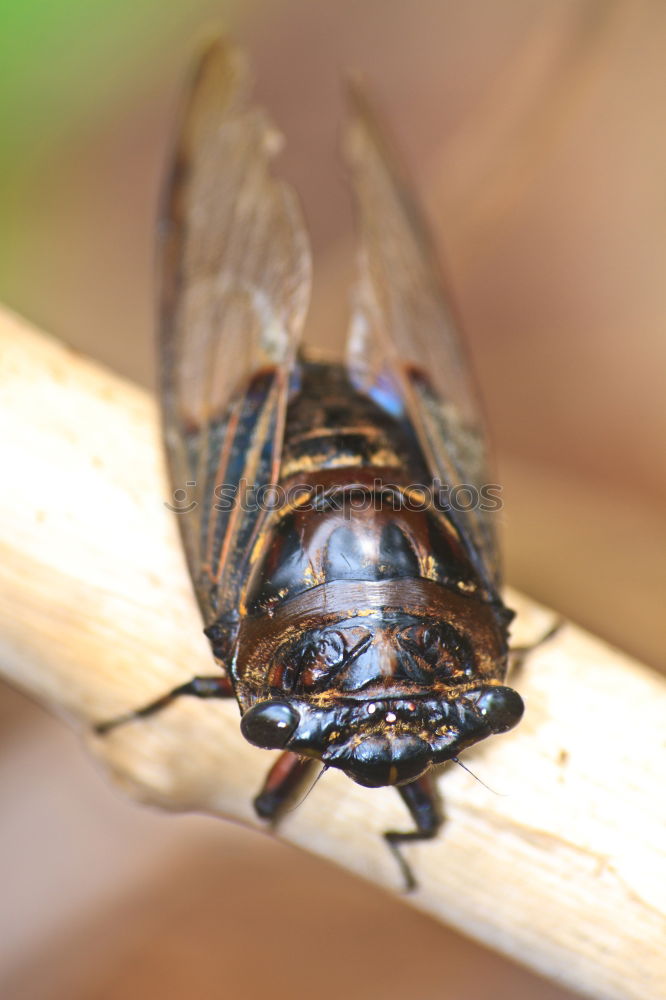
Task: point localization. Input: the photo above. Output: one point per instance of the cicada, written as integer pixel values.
(352, 605)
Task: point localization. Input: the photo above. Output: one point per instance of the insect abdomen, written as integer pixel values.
(330, 425)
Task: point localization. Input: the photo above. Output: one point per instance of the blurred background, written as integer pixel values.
(534, 132)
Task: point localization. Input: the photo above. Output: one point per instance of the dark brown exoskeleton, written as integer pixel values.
(339, 528)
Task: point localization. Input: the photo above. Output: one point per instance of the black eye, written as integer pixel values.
(437, 645)
(501, 707)
(270, 724)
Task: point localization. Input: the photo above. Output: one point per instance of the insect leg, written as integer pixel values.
(284, 778)
(199, 687)
(518, 654)
(422, 801)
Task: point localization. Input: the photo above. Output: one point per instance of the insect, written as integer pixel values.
(352, 605)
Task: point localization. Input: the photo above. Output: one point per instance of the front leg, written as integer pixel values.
(518, 654)
(422, 800)
(198, 687)
(284, 779)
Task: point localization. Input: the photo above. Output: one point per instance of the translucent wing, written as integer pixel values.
(235, 270)
(402, 333)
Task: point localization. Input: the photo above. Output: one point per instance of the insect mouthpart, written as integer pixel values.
(388, 759)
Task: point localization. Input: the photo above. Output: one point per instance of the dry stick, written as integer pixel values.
(564, 871)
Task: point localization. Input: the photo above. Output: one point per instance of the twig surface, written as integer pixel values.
(564, 870)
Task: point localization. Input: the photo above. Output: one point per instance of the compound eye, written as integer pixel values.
(270, 724)
(502, 708)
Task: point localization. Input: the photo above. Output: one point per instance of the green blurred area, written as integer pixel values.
(65, 62)
(71, 70)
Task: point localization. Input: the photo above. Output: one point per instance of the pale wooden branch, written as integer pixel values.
(564, 871)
